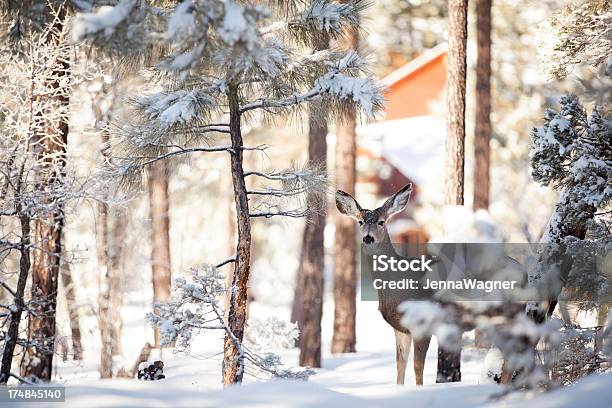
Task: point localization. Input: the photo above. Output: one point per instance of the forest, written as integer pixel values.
(306, 203)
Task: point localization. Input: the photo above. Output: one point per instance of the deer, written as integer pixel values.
(373, 232)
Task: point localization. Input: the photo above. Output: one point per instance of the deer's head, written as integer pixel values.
(372, 223)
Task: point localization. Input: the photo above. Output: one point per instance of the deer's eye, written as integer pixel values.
(360, 222)
(381, 223)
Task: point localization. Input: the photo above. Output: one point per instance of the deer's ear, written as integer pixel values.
(347, 205)
(398, 201)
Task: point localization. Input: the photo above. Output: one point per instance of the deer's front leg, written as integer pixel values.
(420, 353)
(403, 342)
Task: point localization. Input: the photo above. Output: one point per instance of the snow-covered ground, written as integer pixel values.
(363, 379)
(593, 392)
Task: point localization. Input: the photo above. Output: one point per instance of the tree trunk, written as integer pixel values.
(160, 234)
(104, 293)
(297, 291)
(115, 224)
(449, 363)
(118, 225)
(231, 240)
(482, 131)
(13, 329)
(45, 273)
(345, 245)
(233, 359)
(313, 257)
(111, 225)
(455, 101)
(73, 312)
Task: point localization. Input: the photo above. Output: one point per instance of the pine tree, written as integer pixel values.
(110, 231)
(309, 291)
(449, 363)
(455, 101)
(226, 64)
(345, 245)
(572, 153)
(158, 178)
(578, 35)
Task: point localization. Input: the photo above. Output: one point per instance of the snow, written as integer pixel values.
(361, 90)
(415, 146)
(352, 60)
(326, 16)
(270, 333)
(270, 58)
(276, 394)
(182, 23)
(362, 379)
(420, 317)
(174, 107)
(104, 20)
(184, 61)
(561, 123)
(596, 391)
(235, 26)
(461, 224)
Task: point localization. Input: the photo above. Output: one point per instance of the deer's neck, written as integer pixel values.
(386, 246)
(386, 305)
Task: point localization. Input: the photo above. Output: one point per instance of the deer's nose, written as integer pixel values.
(368, 239)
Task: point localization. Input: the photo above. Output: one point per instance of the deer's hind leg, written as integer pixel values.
(403, 341)
(420, 352)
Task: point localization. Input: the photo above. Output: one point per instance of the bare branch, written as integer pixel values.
(227, 261)
(8, 289)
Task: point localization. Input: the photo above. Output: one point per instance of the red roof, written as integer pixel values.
(413, 88)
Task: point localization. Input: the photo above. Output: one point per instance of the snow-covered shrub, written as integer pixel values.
(270, 333)
(577, 355)
(425, 318)
(196, 305)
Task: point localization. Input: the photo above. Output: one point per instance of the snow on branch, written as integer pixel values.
(363, 92)
(224, 33)
(581, 33)
(182, 24)
(238, 24)
(123, 29)
(329, 16)
(196, 306)
(339, 86)
(104, 21)
(179, 106)
(318, 20)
